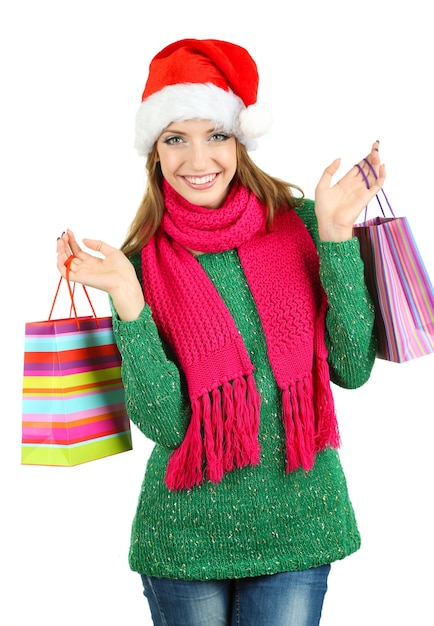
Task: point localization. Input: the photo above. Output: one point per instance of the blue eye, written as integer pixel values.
(219, 137)
(171, 141)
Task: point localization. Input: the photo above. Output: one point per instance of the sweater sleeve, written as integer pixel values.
(350, 334)
(154, 387)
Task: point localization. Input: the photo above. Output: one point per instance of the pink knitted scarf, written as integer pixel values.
(281, 269)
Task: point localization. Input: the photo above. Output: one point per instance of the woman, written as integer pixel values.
(235, 302)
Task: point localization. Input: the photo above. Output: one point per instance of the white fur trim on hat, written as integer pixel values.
(188, 101)
(255, 120)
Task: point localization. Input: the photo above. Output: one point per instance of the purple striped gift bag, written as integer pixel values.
(400, 287)
(73, 407)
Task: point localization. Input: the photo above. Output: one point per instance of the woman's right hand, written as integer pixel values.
(112, 273)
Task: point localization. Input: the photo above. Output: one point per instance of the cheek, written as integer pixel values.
(167, 162)
(164, 154)
(231, 161)
(233, 154)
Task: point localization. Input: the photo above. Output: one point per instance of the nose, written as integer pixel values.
(198, 156)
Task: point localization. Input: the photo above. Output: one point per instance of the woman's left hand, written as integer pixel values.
(337, 207)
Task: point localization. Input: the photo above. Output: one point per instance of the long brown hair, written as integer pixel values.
(274, 192)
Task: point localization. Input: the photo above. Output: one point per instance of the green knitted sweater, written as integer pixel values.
(257, 520)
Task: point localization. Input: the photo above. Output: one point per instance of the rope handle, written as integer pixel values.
(368, 186)
(71, 290)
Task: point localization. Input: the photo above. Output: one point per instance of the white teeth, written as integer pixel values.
(200, 180)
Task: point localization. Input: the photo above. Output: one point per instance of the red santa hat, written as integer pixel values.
(202, 79)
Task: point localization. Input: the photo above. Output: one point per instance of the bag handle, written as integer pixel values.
(71, 295)
(368, 186)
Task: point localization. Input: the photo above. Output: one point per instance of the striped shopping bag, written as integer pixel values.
(73, 407)
(399, 285)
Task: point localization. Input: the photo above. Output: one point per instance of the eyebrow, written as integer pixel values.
(174, 131)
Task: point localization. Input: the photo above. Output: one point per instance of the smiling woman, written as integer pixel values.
(228, 356)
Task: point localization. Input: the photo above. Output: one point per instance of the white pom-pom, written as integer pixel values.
(255, 120)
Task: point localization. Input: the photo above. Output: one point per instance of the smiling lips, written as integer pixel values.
(201, 181)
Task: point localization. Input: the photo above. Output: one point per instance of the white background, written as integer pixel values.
(337, 75)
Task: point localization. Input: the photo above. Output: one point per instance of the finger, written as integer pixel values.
(329, 172)
(368, 168)
(62, 262)
(66, 245)
(376, 172)
(99, 246)
(373, 157)
(378, 166)
(63, 244)
(72, 242)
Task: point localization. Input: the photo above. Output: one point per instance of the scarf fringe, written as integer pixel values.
(326, 428)
(309, 420)
(298, 420)
(222, 435)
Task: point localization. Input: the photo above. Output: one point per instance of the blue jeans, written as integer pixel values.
(288, 599)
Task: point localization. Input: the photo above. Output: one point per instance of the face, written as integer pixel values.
(198, 161)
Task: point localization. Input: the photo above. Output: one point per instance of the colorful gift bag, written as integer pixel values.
(73, 408)
(399, 285)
